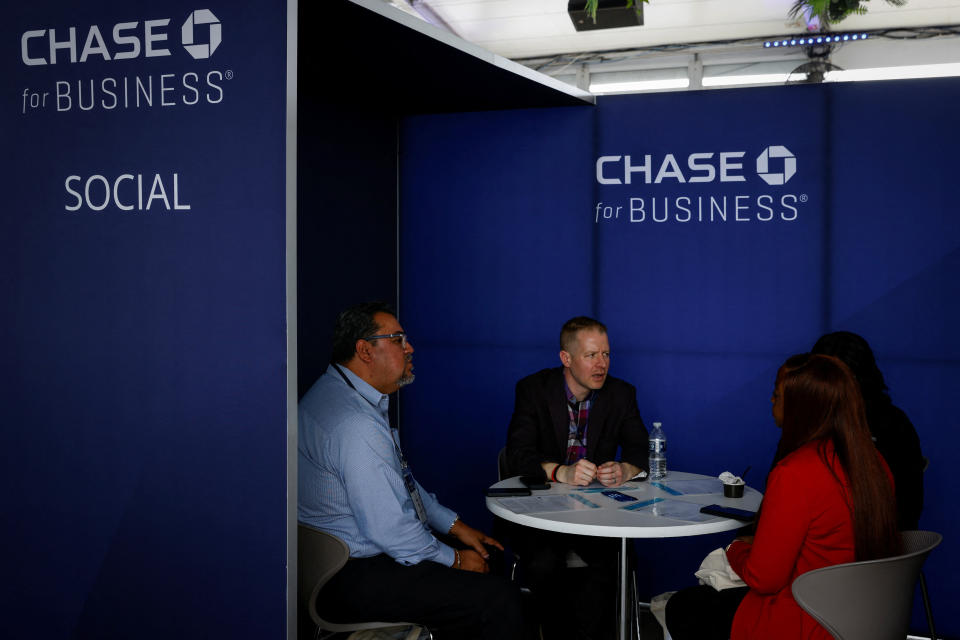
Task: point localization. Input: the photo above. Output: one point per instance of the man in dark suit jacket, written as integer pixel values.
(566, 427)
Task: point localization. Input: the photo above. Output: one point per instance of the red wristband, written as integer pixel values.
(553, 475)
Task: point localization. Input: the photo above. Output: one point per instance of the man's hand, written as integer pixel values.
(613, 474)
(580, 473)
(473, 539)
(470, 560)
(610, 474)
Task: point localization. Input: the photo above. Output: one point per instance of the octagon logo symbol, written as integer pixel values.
(773, 177)
(200, 17)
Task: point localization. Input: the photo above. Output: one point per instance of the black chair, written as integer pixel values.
(573, 561)
(869, 600)
(319, 556)
(502, 529)
(503, 471)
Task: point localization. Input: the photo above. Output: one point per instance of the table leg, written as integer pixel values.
(635, 607)
(624, 615)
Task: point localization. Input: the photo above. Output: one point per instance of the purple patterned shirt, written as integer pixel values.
(579, 417)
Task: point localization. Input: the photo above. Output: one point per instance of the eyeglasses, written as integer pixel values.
(402, 338)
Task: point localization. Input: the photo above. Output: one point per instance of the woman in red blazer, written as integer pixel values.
(826, 503)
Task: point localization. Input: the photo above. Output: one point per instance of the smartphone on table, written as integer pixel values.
(729, 512)
(535, 483)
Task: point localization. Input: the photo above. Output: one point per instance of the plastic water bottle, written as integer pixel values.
(658, 453)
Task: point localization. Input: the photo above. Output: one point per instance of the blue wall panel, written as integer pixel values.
(845, 222)
(481, 313)
(337, 164)
(143, 343)
(708, 278)
(459, 180)
(894, 269)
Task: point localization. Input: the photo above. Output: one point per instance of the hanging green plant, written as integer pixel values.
(591, 7)
(828, 11)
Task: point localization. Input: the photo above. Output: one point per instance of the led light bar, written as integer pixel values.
(905, 72)
(815, 39)
(639, 85)
(757, 78)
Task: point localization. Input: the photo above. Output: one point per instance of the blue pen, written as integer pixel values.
(641, 505)
(669, 490)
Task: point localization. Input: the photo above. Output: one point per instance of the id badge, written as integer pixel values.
(414, 494)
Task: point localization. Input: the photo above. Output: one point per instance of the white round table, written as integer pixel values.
(657, 512)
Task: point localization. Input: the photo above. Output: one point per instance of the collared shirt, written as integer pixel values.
(579, 412)
(350, 481)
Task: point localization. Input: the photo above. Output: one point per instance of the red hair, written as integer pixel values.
(821, 403)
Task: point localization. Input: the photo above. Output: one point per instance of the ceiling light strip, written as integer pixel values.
(639, 85)
(815, 39)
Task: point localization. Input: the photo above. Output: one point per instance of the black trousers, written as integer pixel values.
(702, 612)
(454, 604)
(576, 603)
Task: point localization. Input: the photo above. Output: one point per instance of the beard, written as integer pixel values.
(406, 379)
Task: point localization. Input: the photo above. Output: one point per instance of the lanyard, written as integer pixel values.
(408, 480)
(350, 384)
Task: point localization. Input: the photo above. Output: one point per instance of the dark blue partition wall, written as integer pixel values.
(342, 152)
(485, 202)
(709, 275)
(895, 264)
(761, 219)
(142, 340)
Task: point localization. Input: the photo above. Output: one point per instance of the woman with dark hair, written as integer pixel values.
(892, 431)
(829, 500)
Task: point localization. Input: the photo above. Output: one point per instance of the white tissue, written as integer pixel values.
(715, 570)
(728, 478)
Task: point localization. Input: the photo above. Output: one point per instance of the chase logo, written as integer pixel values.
(198, 17)
(789, 165)
(121, 41)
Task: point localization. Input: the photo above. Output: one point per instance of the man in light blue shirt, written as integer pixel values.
(354, 482)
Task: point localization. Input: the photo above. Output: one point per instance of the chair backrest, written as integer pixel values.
(319, 556)
(503, 472)
(869, 600)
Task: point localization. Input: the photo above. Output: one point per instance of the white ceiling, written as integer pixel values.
(534, 28)
(695, 44)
